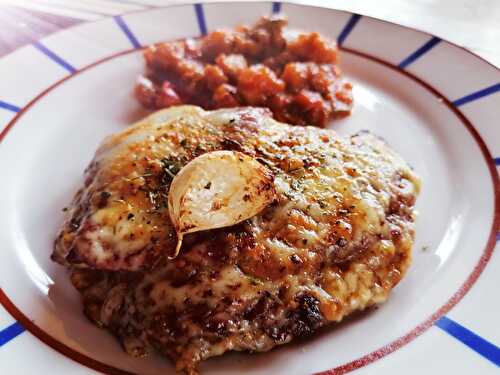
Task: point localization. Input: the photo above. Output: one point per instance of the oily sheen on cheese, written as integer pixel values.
(335, 237)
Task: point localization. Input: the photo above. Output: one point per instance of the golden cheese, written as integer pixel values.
(335, 236)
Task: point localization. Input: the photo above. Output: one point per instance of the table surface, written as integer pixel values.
(473, 24)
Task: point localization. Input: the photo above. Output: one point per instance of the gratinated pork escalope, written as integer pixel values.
(279, 231)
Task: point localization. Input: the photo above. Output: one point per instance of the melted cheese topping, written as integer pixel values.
(330, 190)
(336, 238)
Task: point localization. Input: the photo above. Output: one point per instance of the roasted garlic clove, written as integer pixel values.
(218, 189)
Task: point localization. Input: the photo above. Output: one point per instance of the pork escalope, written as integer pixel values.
(336, 237)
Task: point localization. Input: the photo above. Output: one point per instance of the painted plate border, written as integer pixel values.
(436, 318)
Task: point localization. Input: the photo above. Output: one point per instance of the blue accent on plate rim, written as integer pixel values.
(431, 43)
(480, 345)
(9, 107)
(276, 7)
(54, 57)
(200, 16)
(126, 30)
(477, 95)
(10, 333)
(351, 23)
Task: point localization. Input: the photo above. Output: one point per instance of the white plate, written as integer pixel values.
(435, 103)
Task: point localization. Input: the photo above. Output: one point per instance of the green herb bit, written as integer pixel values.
(254, 281)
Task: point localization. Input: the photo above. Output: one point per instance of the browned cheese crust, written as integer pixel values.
(336, 239)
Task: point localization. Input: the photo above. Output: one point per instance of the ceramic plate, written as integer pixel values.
(435, 103)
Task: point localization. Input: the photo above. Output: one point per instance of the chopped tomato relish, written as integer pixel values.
(294, 74)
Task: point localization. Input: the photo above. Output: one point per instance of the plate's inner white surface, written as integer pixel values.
(44, 155)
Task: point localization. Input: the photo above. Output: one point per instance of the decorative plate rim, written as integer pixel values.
(291, 2)
(362, 361)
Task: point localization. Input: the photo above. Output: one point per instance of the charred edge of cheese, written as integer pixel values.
(218, 189)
